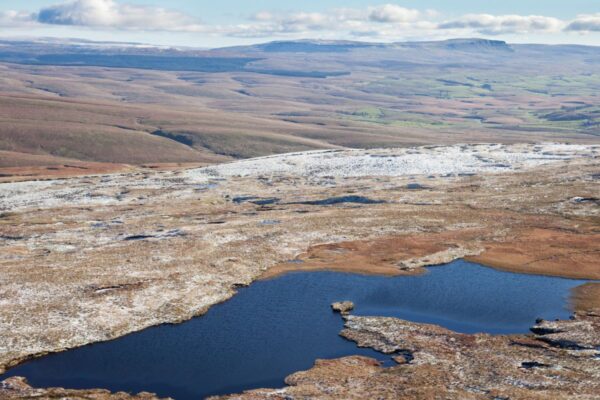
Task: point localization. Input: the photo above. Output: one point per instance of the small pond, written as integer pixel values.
(279, 326)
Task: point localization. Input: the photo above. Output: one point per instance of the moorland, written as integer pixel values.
(63, 103)
(144, 186)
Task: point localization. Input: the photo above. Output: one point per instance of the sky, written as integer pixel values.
(233, 22)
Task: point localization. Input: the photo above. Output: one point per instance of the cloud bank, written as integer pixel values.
(16, 19)
(378, 22)
(393, 13)
(585, 23)
(110, 14)
(505, 24)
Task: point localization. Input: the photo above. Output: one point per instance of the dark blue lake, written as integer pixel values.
(276, 327)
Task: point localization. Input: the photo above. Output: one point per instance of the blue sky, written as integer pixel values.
(224, 9)
(228, 22)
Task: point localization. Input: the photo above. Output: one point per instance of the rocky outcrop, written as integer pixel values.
(343, 307)
(441, 257)
(435, 363)
(579, 333)
(18, 388)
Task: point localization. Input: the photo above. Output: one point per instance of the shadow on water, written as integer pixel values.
(276, 327)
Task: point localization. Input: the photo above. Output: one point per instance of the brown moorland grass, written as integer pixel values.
(109, 114)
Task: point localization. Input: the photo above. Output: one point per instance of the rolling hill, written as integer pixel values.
(133, 105)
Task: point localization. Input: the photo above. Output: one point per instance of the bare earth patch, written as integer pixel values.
(546, 252)
(586, 298)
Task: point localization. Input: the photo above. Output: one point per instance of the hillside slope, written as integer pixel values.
(140, 105)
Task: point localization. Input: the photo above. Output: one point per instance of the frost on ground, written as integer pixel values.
(93, 258)
(426, 160)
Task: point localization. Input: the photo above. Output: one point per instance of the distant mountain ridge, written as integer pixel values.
(474, 44)
(336, 46)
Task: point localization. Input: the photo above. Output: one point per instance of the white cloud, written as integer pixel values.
(384, 22)
(391, 22)
(9, 19)
(585, 23)
(370, 22)
(110, 14)
(263, 16)
(393, 13)
(266, 24)
(504, 24)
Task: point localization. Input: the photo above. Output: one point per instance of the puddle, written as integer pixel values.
(11, 237)
(416, 186)
(270, 222)
(533, 364)
(206, 186)
(341, 199)
(160, 235)
(276, 327)
(579, 200)
(242, 199)
(255, 200)
(137, 237)
(264, 202)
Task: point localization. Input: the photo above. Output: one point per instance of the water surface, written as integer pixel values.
(276, 327)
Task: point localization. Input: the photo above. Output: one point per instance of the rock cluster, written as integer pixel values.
(578, 333)
(343, 307)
